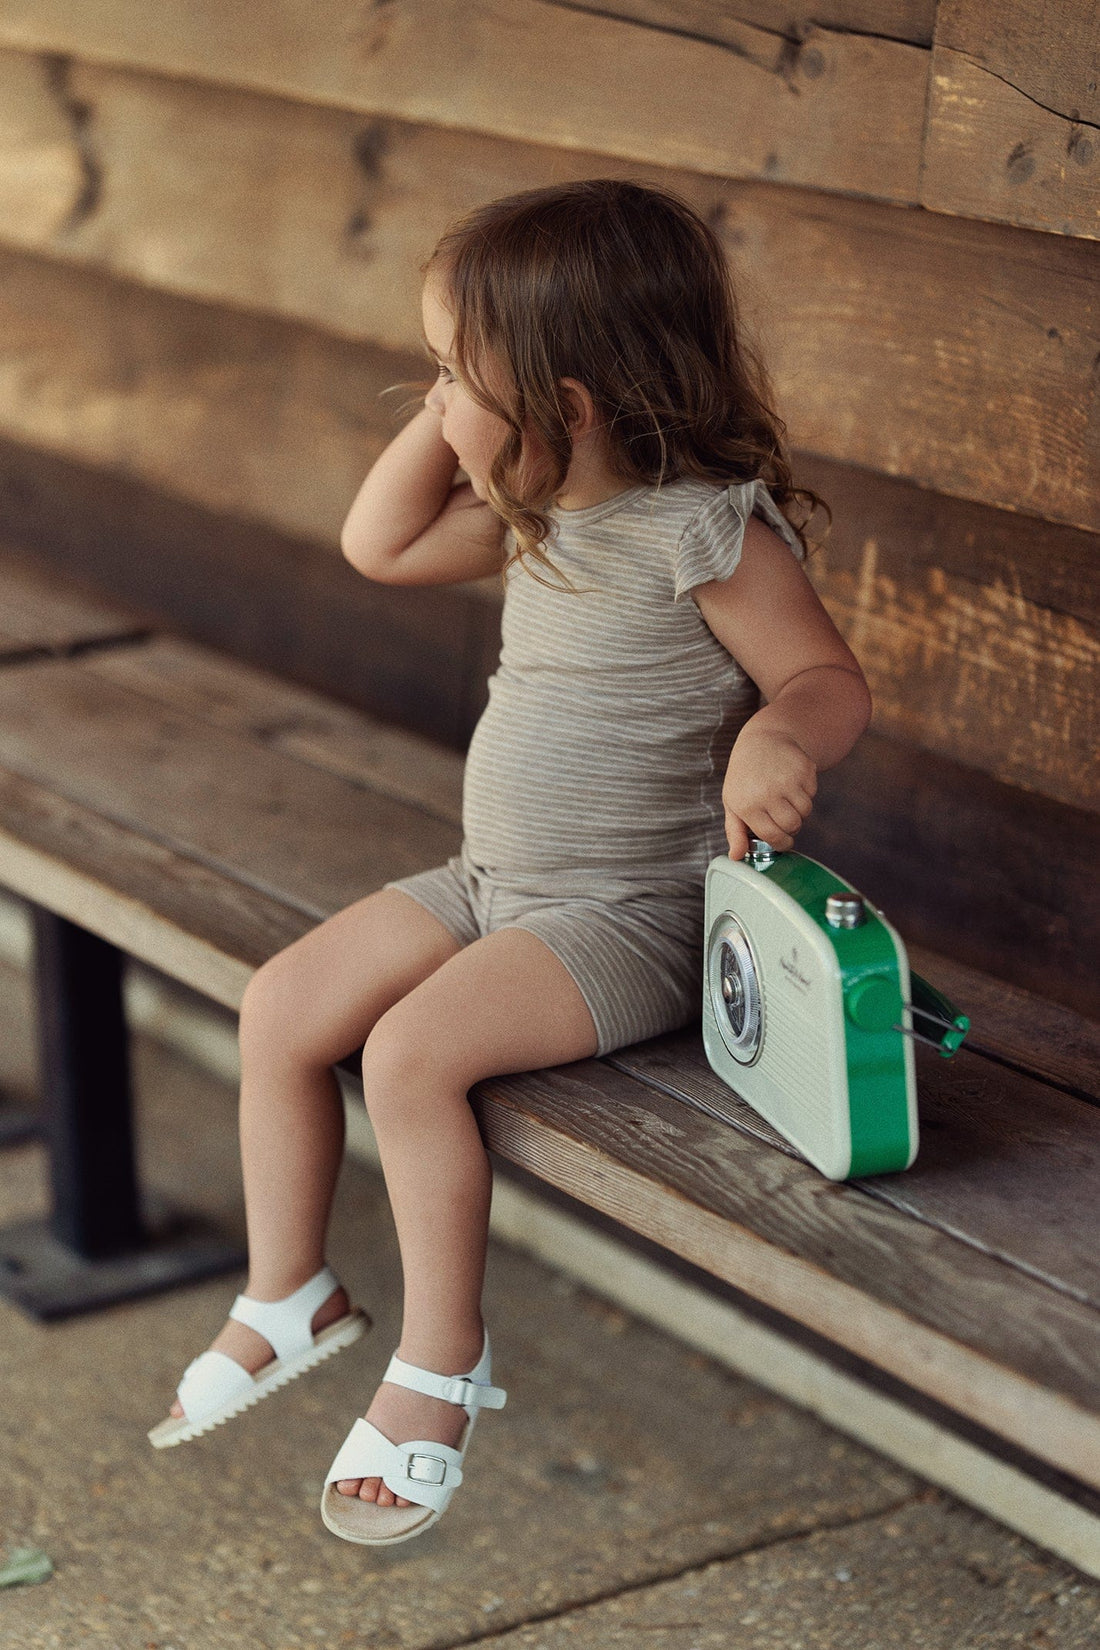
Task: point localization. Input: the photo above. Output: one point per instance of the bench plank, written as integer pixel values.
(191, 922)
(1006, 1164)
(202, 820)
(944, 1317)
(1052, 1042)
(1041, 1037)
(316, 841)
(40, 612)
(284, 717)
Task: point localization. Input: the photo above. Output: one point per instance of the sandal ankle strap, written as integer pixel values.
(286, 1325)
(471, 1392)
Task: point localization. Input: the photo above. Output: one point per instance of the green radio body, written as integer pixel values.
(809, 1009)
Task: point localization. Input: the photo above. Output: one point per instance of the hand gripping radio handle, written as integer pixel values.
(936, 1020)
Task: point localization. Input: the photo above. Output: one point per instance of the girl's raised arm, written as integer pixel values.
(768, 616)
(410, 524)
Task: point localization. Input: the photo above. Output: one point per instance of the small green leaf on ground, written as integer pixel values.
(24, 1566)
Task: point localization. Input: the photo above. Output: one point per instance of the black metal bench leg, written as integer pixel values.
(101, 1243)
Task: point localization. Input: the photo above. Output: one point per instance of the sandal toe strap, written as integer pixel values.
(213, 1379)
(421, 1470)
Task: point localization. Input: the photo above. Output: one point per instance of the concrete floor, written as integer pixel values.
(633, 1494)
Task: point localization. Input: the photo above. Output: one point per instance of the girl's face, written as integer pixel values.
(475, 434)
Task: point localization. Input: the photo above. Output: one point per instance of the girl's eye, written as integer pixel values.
(445, 374)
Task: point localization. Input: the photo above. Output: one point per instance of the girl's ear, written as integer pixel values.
(581, 409)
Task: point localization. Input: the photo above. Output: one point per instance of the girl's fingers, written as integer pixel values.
(786, 815)
(769, 830)
(737, 837)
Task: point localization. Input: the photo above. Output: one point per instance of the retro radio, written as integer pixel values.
(810, 1011)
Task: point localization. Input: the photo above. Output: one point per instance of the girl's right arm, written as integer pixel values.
(411, 525)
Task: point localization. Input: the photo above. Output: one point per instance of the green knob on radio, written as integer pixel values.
(873, 1003)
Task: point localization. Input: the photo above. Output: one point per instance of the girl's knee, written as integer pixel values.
(402, 1068)
(267, 1015)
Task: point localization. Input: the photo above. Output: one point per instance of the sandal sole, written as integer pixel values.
(344, 1332)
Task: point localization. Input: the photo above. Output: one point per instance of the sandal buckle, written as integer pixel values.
(460, 1390)
(425, 1469)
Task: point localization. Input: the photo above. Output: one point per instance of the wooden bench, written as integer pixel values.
(168, 803)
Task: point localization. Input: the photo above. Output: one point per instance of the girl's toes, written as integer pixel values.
(176, 1410)
(349, 1486)
(385, 1496)
(369, 1491)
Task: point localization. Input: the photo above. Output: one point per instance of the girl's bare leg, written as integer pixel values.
(503, 1004)
(308, 1007)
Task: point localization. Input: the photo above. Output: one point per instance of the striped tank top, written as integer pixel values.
(614, 708)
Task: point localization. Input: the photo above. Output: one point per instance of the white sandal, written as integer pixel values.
(424, 1472)
(215, 1387)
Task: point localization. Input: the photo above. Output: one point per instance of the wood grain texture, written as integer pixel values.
(243, 414)
(999, 878)
(947, 1319)
(279, 716)
(1038, 1036)
(420, 657)
(960, 355)
(1050, 52)
(992, 151)
(714, 19)
(1006, 1164)
(979, 630)
(40, 612)
(183, 918)
(314, 841)
(842, 110)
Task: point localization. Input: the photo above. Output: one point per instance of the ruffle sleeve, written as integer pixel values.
(710, 545)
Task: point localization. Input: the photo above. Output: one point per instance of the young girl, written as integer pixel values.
(623, 469)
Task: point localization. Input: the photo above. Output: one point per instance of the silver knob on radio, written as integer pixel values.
(845, 910)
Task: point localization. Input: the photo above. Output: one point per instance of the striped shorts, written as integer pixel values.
(632, 944)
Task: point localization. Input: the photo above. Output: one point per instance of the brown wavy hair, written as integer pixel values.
(624, 288)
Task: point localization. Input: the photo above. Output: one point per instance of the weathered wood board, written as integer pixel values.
(998, 877)
(714, 20)
(992, 151)
(315, 841)
(214, 688)
(243, 414)
(958, 355)
(419, 657)
(839, 110)
(40, 613)
(1014, 114)
(1004, 1164)
(914, 1300)
(186, 919)
(979, 630)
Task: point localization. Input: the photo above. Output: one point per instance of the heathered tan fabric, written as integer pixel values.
(593, 785)
(613, 711)
(633, 946)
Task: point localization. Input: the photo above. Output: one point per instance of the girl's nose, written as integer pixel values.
(433, 400)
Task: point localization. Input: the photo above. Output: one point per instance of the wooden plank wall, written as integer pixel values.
(211, 221)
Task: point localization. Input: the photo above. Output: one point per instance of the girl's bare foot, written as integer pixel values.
(252, 1352)
(401, 1415)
